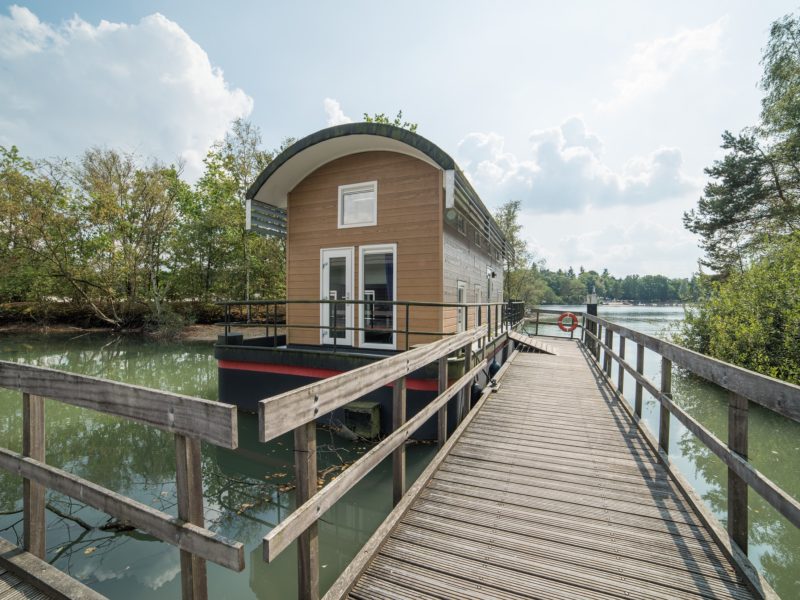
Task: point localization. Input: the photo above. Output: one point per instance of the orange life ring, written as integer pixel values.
(566, 328)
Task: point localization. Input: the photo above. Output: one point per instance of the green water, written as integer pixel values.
(242, 489)
(774, 446)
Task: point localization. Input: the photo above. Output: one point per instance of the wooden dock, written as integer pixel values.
(550, 492)
(550, 486)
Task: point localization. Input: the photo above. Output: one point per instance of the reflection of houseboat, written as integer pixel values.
(391, 241)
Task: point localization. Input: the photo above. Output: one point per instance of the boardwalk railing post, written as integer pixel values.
(597, 345)
(666, 389)
(34, 521)
(607, 353)
(399, 454)
(442, 425)
(639, 369)
(537, 323)
(305, 468)
(466, 393)
(621, 371)
(737, 487)
(189, 487)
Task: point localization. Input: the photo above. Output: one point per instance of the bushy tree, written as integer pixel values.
(753, 317)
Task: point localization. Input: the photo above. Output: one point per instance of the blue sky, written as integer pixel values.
(598, 117)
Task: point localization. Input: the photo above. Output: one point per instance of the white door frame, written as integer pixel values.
(325, 254)
(361, 251)
(461, 290)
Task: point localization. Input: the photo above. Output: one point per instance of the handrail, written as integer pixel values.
(778, 396)
(191, 420)
(299, 409)
(495, 314)
(283, 413)
(212, 422)
(537, 321)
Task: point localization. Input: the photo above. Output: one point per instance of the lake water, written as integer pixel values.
(247, 491)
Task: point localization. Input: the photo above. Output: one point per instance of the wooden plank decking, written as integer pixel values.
(550, 493)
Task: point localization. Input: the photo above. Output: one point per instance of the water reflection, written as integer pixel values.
(247, 491)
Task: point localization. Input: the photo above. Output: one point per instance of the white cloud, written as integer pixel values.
(565, 172)
(335, 113)
(654, 63)
(626, 240)
(146, 87)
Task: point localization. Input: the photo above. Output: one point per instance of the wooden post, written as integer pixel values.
(305, 469)
(737, 487)
(591, 309)
(467, 391)
(189, 487)
(442, 411)
(621, 372)
(399, 454)
(537, 323)
(607, 353)
(639, 369)
(666, 389)
(33, 514)
(597, 345)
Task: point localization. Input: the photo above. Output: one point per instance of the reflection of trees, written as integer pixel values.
(769, 438)
(246, 491)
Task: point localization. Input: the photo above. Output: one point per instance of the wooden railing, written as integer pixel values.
(299, 409)
(543, 318)
(191, 420)
(743, 387)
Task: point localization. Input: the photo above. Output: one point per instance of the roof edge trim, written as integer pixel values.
(416, 141)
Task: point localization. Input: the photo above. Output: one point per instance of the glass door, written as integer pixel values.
(378, 283)
(336, 283)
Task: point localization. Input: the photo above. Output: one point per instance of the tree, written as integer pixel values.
(749, 222)
(397, 121)
(751, 200)
(752, 318)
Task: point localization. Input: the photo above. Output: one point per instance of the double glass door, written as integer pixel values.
(377, 282)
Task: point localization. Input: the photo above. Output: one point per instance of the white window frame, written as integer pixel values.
(375, 248)
(356, 187)
(347, 252)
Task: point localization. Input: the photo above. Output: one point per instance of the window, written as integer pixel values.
(461, 224)
(358, 204)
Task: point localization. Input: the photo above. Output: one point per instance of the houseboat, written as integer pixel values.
(387, 246)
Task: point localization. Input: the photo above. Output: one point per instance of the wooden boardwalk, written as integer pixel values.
(13, 588)
(550, 492)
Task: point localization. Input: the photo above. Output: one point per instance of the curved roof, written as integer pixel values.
(292, 165)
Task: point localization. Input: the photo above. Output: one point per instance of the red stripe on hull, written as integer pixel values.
(425, 385)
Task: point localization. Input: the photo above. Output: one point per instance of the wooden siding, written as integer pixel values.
(410, 197)
(462, 261)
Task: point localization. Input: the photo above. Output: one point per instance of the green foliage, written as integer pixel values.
(753, 318)
(753, 196)
(748, 221)
(397, 121)
(130, 240)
